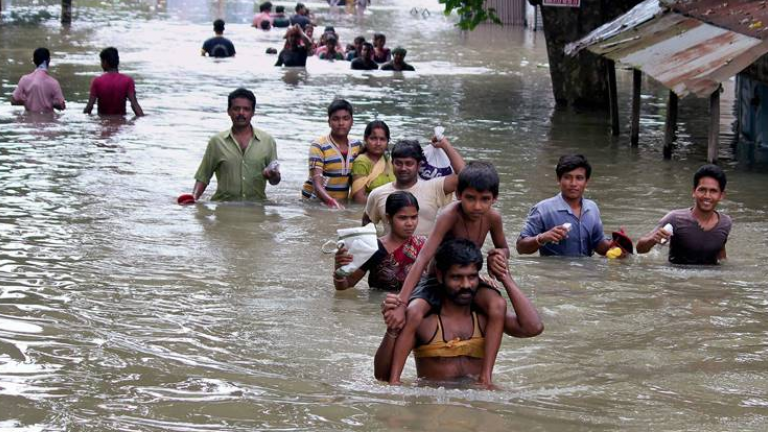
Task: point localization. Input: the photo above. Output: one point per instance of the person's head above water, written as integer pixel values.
(458, 263)
(280, 10)
(398, 54)
(41, 55)
(376, 138)
(573, 172)
(379, 40)
(110, 59)
(244, 94)
(340, 118)
(300, 8)
(480, 176)
(330, 42)
(218, 26)
(407, 156)
(402, 210)
(265, 7)
(366, 52)
(710, 171)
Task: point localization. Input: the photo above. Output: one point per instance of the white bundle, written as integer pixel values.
(361, 243)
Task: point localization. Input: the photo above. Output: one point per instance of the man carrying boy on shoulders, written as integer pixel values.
(567, 224)
(699, 233)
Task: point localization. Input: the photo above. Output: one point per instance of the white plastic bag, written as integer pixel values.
(361, 243)
(436, 163)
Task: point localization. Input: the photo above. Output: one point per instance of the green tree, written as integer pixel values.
(471, 12)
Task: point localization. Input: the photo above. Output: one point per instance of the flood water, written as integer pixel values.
(120, 310)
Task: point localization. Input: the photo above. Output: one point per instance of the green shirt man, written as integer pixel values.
(239, 157)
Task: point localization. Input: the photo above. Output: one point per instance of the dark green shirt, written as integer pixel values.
(238, 173)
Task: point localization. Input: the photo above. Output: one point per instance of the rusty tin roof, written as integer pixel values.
(684, 53)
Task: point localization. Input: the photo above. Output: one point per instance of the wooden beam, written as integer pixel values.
(714, 126)
(670, 124)
(66, 12)
(613, 97)
(637, 82)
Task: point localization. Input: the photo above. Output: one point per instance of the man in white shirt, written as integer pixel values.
(432, 195)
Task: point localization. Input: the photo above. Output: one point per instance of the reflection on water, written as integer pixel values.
(121, 310)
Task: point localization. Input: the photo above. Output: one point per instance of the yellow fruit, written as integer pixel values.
(613, 253)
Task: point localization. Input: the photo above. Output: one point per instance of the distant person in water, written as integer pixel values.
(381, 54)
(301, 17)
(698, 234)
(218, 46)
(398, 61)
(356, 48)
(112, 89)
(279, 19)
(242, 157)
(295, 53)
(331, 52)
(265, 14)
(38, 91)
(365, 60)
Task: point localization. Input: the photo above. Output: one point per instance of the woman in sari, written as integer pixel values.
(397, 252)
(372, 167)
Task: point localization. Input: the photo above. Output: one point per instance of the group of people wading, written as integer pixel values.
(429, 255)
(433, 229)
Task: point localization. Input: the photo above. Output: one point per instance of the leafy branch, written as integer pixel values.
(471, 12)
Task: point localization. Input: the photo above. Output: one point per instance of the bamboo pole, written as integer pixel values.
(613, 97)
(670, 124)
(66, 12)
(714, 126)
(637, 82)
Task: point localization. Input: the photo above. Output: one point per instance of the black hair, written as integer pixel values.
(41, 55)
(241, 93)
(458, 251)
(398, 201)
(339, 105)
(360, 39)
(370, 49)
(329, 29)
(280, 9)
(712, 171)
(376, 124)
(218, 26)
(110, 57)
(299, 6)
(265, 25)
(571, 162)
(266, 6)
(408, 149)
(332, 39)
(480, 176)
(379, 36)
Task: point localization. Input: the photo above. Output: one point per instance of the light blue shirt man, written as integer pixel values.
(586, 231)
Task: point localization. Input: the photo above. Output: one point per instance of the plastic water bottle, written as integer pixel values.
(668, 228)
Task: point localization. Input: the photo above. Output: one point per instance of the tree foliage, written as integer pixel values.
(471, 12)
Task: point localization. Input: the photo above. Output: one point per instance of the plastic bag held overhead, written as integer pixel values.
(436, 163)
(361, 243)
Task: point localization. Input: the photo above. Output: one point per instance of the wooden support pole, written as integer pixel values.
(613, 97)
(66, 12)
(714, 126)
(637, 82)
(670, 125)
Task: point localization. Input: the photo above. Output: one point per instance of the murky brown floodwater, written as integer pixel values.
(120, 310)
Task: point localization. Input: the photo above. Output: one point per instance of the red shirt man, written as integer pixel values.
(112, 89)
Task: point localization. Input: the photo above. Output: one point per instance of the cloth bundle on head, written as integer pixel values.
(361, 243)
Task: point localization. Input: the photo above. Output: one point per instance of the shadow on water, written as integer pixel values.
(120, 310)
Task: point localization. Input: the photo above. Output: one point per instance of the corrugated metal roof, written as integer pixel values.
(685, 54)
(748, 17)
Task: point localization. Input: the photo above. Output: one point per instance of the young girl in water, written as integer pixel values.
(373, 166)
(397, 252)
(380, 54)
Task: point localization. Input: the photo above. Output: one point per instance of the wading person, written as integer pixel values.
(301, 17)
(373, 166)
(112, 89)
(242, 158)
(265, 14)
(699, 233)
(381, 54)
(398, 250)
(218, 46)
(364, 61)
(298, 48)
(398, 63)
(433, 194)
(567, 224)
(38, 91)
(331, 157)
(449, 344)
